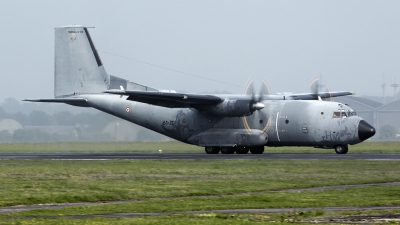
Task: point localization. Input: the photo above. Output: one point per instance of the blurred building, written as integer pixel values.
(9, 125)
(375, 113)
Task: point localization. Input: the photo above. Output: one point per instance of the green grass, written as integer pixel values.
(198, 184)
(368, 196)
(176, 147)
(59, 181)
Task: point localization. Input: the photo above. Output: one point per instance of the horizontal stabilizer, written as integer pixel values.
(58, 100)
(167, 99)
(70, 101)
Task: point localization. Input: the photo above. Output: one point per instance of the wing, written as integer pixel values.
(180, 100)
(167, 99)
(316, 96)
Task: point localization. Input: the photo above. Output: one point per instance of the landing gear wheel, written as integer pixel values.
(257, 150)
(212, 150)
(341, 149)
(241, 150)
(227, 150)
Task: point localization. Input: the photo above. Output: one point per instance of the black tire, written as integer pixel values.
(227, 150)
(242, 150)
(212, 150)
(341, 149)
(257, 150)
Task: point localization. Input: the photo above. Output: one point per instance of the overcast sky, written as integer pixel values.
(350, 43)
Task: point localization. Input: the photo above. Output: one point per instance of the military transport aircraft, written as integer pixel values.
(221, 123)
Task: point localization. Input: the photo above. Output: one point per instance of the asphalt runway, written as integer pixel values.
(105, 156)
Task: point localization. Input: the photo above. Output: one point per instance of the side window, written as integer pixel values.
(336, 115)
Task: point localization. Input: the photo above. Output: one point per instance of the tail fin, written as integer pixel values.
(78, 67)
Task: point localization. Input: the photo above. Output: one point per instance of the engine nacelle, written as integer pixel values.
(230, 108)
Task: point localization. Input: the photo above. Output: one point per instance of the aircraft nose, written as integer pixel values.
(365, 130)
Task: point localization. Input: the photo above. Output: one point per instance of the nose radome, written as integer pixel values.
(365, 130)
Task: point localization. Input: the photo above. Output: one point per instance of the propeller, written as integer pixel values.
(258, 119)
(316, 86)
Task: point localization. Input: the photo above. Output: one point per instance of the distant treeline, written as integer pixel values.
(85, 124)
(37, 135)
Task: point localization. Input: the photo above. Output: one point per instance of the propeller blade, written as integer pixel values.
(249, 89)
(258, 120)
(328, 89)
(264, 90)
(315, 85)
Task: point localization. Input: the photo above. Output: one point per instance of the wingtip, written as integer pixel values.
(114, 91)
(29, 100)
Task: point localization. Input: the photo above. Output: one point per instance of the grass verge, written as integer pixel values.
(175, 147)
(368, 196)
(62, 181)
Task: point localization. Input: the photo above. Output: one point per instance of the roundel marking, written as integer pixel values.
(127, 109)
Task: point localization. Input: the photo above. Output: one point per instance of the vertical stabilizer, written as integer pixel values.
(78, 67)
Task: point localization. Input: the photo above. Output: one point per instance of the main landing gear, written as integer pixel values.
(212, 150)
(341, 149)
(238, 150)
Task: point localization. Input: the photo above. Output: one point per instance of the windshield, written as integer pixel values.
(343, 111)
(342, 114)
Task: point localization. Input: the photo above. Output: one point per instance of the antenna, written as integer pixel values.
(395, 86)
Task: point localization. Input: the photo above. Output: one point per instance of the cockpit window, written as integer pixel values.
(352, 113)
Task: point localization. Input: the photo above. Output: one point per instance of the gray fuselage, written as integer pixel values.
(280, 123)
